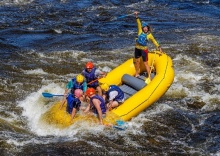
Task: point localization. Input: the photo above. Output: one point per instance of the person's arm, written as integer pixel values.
(87, 109)
(84, 86)
(109, 105)
(69, 84)
(112, 96)
(64, 98)
(138, 23)
(73, 113)
(63, 101)
(68, 87)
(104, 97)
(99, 73)
(96, 103)
(153, 40)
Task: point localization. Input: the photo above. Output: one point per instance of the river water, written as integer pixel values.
(44, 43)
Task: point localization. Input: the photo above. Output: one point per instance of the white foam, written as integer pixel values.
(34, 106)
(58, 31)
(23, 143)
(16, 2)
(35, 72)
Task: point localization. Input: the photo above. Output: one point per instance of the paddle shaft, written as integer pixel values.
(123, 16)
(94, 80)
(49, 95)
(151, 67)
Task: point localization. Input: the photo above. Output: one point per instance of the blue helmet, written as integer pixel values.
(144, 24)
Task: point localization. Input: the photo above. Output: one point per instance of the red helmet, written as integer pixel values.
(89, 65)
(90, 92)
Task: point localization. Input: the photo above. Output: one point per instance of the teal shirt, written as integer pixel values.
(70, 85)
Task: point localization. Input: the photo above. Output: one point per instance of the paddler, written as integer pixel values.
(96, 104)
(73, 102)
(92, 75)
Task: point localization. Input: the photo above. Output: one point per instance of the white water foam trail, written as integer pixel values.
(35, 105)
(189, 76)
(15, 2)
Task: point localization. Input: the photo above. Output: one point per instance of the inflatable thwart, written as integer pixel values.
(138, 94)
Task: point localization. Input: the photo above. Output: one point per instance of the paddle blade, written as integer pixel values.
(123, 16)
(119, 128)
(120, 122)
(121, 125)
(49, 95)
(147, 81)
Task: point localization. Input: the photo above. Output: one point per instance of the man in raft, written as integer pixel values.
(92, 75)
(97, 104)
(113, 95)
(73, 102)
(77, 82)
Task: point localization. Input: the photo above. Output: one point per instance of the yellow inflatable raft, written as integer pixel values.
(138, 94)
(147, 95)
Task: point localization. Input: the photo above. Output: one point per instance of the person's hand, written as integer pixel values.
(72, 120)
(107, 124)
(101, 123)
(136, 14)
(102, 75)
(161, 50)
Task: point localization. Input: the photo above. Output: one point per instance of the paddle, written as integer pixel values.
(148, 80)
(96, 79)
(122, 16)
(49, 95)
(93, 81)
(121, 125)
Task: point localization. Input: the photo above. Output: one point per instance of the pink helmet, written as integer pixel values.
(78, 93)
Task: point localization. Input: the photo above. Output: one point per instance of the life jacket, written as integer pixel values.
(142, 39)
(76, 86)
(120, 95)
(102, 104)
(90, 76)
(72, 102)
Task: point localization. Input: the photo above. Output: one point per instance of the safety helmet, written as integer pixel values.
(90, 92)
(78, 93)
(89, 65)
(105, 87)
(144, 24)
(79, 78)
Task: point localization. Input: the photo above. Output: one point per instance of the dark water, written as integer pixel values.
(44, 43)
